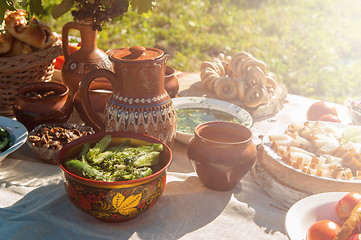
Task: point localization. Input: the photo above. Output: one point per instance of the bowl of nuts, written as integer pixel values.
(46, 140)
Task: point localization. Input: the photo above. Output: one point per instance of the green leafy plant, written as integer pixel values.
(31, 6)
(100, 11)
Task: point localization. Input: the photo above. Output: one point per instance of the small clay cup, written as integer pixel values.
(221, 153)
(171, 83)
(33, 111)
(98, 93)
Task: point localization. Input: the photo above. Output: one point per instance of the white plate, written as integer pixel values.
(296, 178)
(209, 103)
(310, 210)
(18, 134)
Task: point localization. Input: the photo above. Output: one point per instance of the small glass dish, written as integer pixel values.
(49, 151)
(353, 106)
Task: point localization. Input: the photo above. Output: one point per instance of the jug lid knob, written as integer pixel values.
(137, 50)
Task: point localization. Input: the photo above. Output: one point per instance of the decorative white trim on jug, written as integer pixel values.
(139, 100)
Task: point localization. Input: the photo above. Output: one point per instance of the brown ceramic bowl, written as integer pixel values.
(114, 201)
(42, 102)
(49, 153)
(221, 153)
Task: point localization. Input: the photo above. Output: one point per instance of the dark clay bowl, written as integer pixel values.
(114, 201)
(33, 111)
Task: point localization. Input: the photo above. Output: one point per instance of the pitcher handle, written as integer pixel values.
(65, 35)
(94, 119)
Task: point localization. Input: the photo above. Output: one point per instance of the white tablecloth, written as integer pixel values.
(34, 204)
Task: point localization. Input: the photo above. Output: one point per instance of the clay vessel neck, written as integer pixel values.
(84, 60)
(139, 79)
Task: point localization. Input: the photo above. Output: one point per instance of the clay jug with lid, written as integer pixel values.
(84, 60)
(139, 102)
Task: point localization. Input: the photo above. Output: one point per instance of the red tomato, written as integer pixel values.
(59, 61)
(346, 204)
(329, 118)
(323, 230)
(317, 109)
(72, 49)
(355, 237)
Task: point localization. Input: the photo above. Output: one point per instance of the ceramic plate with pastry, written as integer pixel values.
(313, 157)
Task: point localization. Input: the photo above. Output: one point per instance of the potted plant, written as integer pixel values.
(90, 16)
(101, 11)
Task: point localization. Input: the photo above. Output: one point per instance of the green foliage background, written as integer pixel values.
(312, 46)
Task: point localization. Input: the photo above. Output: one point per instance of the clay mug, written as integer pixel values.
(171, 83)
(139, 102)
(99, 93)
(31, 111)
(221, 153)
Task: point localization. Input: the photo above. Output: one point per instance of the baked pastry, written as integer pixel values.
(36, 33)
(19, 48)
(241, 77)
(6, 42)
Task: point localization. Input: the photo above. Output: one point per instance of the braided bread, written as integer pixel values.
(226, 88)
(210, 71)
(241, 77)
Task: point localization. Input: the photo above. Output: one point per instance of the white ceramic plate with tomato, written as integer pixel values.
(309, 210)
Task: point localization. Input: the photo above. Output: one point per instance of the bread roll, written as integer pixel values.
(36, 33)
(19, 48)
(6, 43)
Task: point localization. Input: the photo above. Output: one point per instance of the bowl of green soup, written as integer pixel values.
(192, 111)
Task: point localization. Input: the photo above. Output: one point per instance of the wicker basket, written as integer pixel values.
(19, 70)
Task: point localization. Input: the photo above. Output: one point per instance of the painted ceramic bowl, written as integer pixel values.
(114, 201)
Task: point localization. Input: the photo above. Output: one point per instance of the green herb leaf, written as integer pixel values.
(144, 7)
(62, 8)
(36, 7)
(5, 5)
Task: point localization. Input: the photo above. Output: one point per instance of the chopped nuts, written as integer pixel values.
(55, 137)
(33, 94)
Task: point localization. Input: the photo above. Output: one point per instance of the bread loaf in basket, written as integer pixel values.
(24, 62)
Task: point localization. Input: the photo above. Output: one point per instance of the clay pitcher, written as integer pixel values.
(139, 102)
(84, 60)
